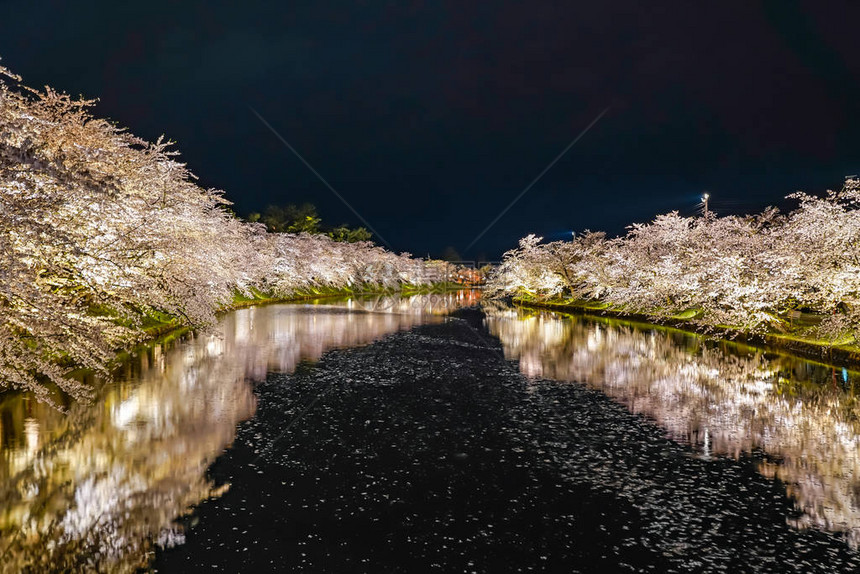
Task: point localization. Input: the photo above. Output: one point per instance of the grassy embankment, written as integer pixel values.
(795, 338)
(161, 328)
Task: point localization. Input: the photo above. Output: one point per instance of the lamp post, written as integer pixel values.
(705, 201)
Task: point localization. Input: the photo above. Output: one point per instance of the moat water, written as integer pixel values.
(422, 434)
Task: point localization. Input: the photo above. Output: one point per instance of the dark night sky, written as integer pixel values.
(430, 117)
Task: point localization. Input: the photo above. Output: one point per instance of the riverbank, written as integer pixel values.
(259, 298)
(161, 327)
(156, 329)
(816, 349)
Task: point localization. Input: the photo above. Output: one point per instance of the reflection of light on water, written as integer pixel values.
(531, 367)
(105, 481)
(31, 431)
(721, 399)
(125, 412)
(214, 346)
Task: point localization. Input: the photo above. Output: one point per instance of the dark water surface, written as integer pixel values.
(382, 436)
(98, 488)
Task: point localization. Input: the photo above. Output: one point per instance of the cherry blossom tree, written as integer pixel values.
(100, 229)
(748, 272)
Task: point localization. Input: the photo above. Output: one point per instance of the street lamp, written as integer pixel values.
(705, 201)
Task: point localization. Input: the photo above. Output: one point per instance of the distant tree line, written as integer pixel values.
(304, 218)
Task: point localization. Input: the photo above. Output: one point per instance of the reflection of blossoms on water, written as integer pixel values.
(93, 490)
(103, 480)
(303, 332)
(724, 399)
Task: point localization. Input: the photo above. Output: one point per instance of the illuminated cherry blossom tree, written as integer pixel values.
(100, 229)
(747, 272)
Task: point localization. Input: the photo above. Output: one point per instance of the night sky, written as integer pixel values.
(430, 117)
